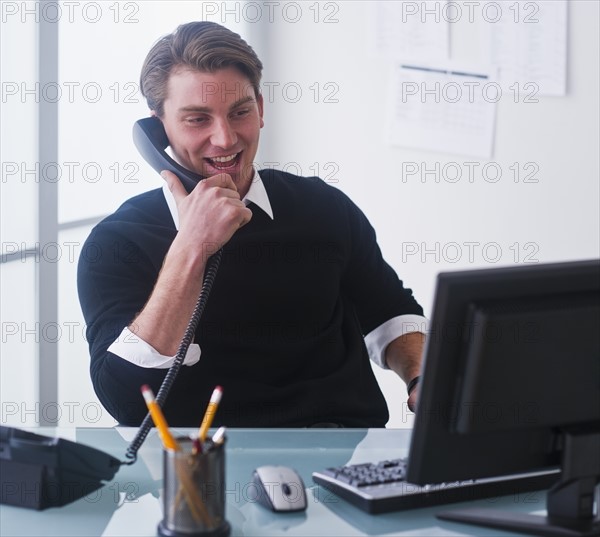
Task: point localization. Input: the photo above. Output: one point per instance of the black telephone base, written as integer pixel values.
(38, 472)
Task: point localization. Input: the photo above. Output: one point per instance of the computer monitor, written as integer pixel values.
(511, 384)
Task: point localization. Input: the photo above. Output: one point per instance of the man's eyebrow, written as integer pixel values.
(206, 109)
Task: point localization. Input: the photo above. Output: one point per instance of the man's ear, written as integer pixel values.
(260, 102)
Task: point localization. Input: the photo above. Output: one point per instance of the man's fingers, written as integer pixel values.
(177, 189)
(413, 399)
(222, 180)
(216, 193)
(246, 216)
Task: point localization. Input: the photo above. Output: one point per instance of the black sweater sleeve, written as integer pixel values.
(368, 280)
(117, 271)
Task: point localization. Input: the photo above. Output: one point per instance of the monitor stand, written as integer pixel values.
(570, 502)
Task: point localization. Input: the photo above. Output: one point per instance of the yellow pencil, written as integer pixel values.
(211, 410)
(159, 420)
(194, 501)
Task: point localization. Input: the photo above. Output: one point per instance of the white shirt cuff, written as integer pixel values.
(132, 348)
(377, 340)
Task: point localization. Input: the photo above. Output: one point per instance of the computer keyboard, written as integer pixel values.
(381, 487)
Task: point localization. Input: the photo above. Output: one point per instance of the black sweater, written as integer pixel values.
(283, 328)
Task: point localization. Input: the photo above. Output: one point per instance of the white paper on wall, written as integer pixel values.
(416, 30)
(444, 108)
(528, 44)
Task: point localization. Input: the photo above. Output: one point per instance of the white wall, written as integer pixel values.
(555, 218)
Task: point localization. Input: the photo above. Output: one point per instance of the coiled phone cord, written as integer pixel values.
(209, 277)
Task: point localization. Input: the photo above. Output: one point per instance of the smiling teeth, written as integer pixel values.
(224, 159)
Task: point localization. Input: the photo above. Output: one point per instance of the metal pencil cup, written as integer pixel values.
(194, 491)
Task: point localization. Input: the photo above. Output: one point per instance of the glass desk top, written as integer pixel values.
(131, 503)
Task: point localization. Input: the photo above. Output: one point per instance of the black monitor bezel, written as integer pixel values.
(440, 454)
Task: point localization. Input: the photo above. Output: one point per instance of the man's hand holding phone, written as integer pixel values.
(210, 214)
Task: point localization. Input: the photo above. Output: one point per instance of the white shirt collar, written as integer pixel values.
(257, 194)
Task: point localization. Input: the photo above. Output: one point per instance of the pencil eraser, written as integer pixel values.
(216, 395)
(147, 393)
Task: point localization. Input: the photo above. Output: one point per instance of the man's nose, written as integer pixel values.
(223, 135)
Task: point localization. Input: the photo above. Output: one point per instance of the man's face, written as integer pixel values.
(213, 122)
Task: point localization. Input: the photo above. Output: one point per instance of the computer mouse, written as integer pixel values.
(279, 488)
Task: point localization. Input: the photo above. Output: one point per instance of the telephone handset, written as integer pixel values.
(151, 140)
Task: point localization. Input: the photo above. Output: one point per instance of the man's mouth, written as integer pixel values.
(226, 162)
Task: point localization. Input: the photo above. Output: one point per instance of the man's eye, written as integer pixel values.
(242, 112)
(196, 120)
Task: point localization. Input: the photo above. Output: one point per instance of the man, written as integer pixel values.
(301, 282)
